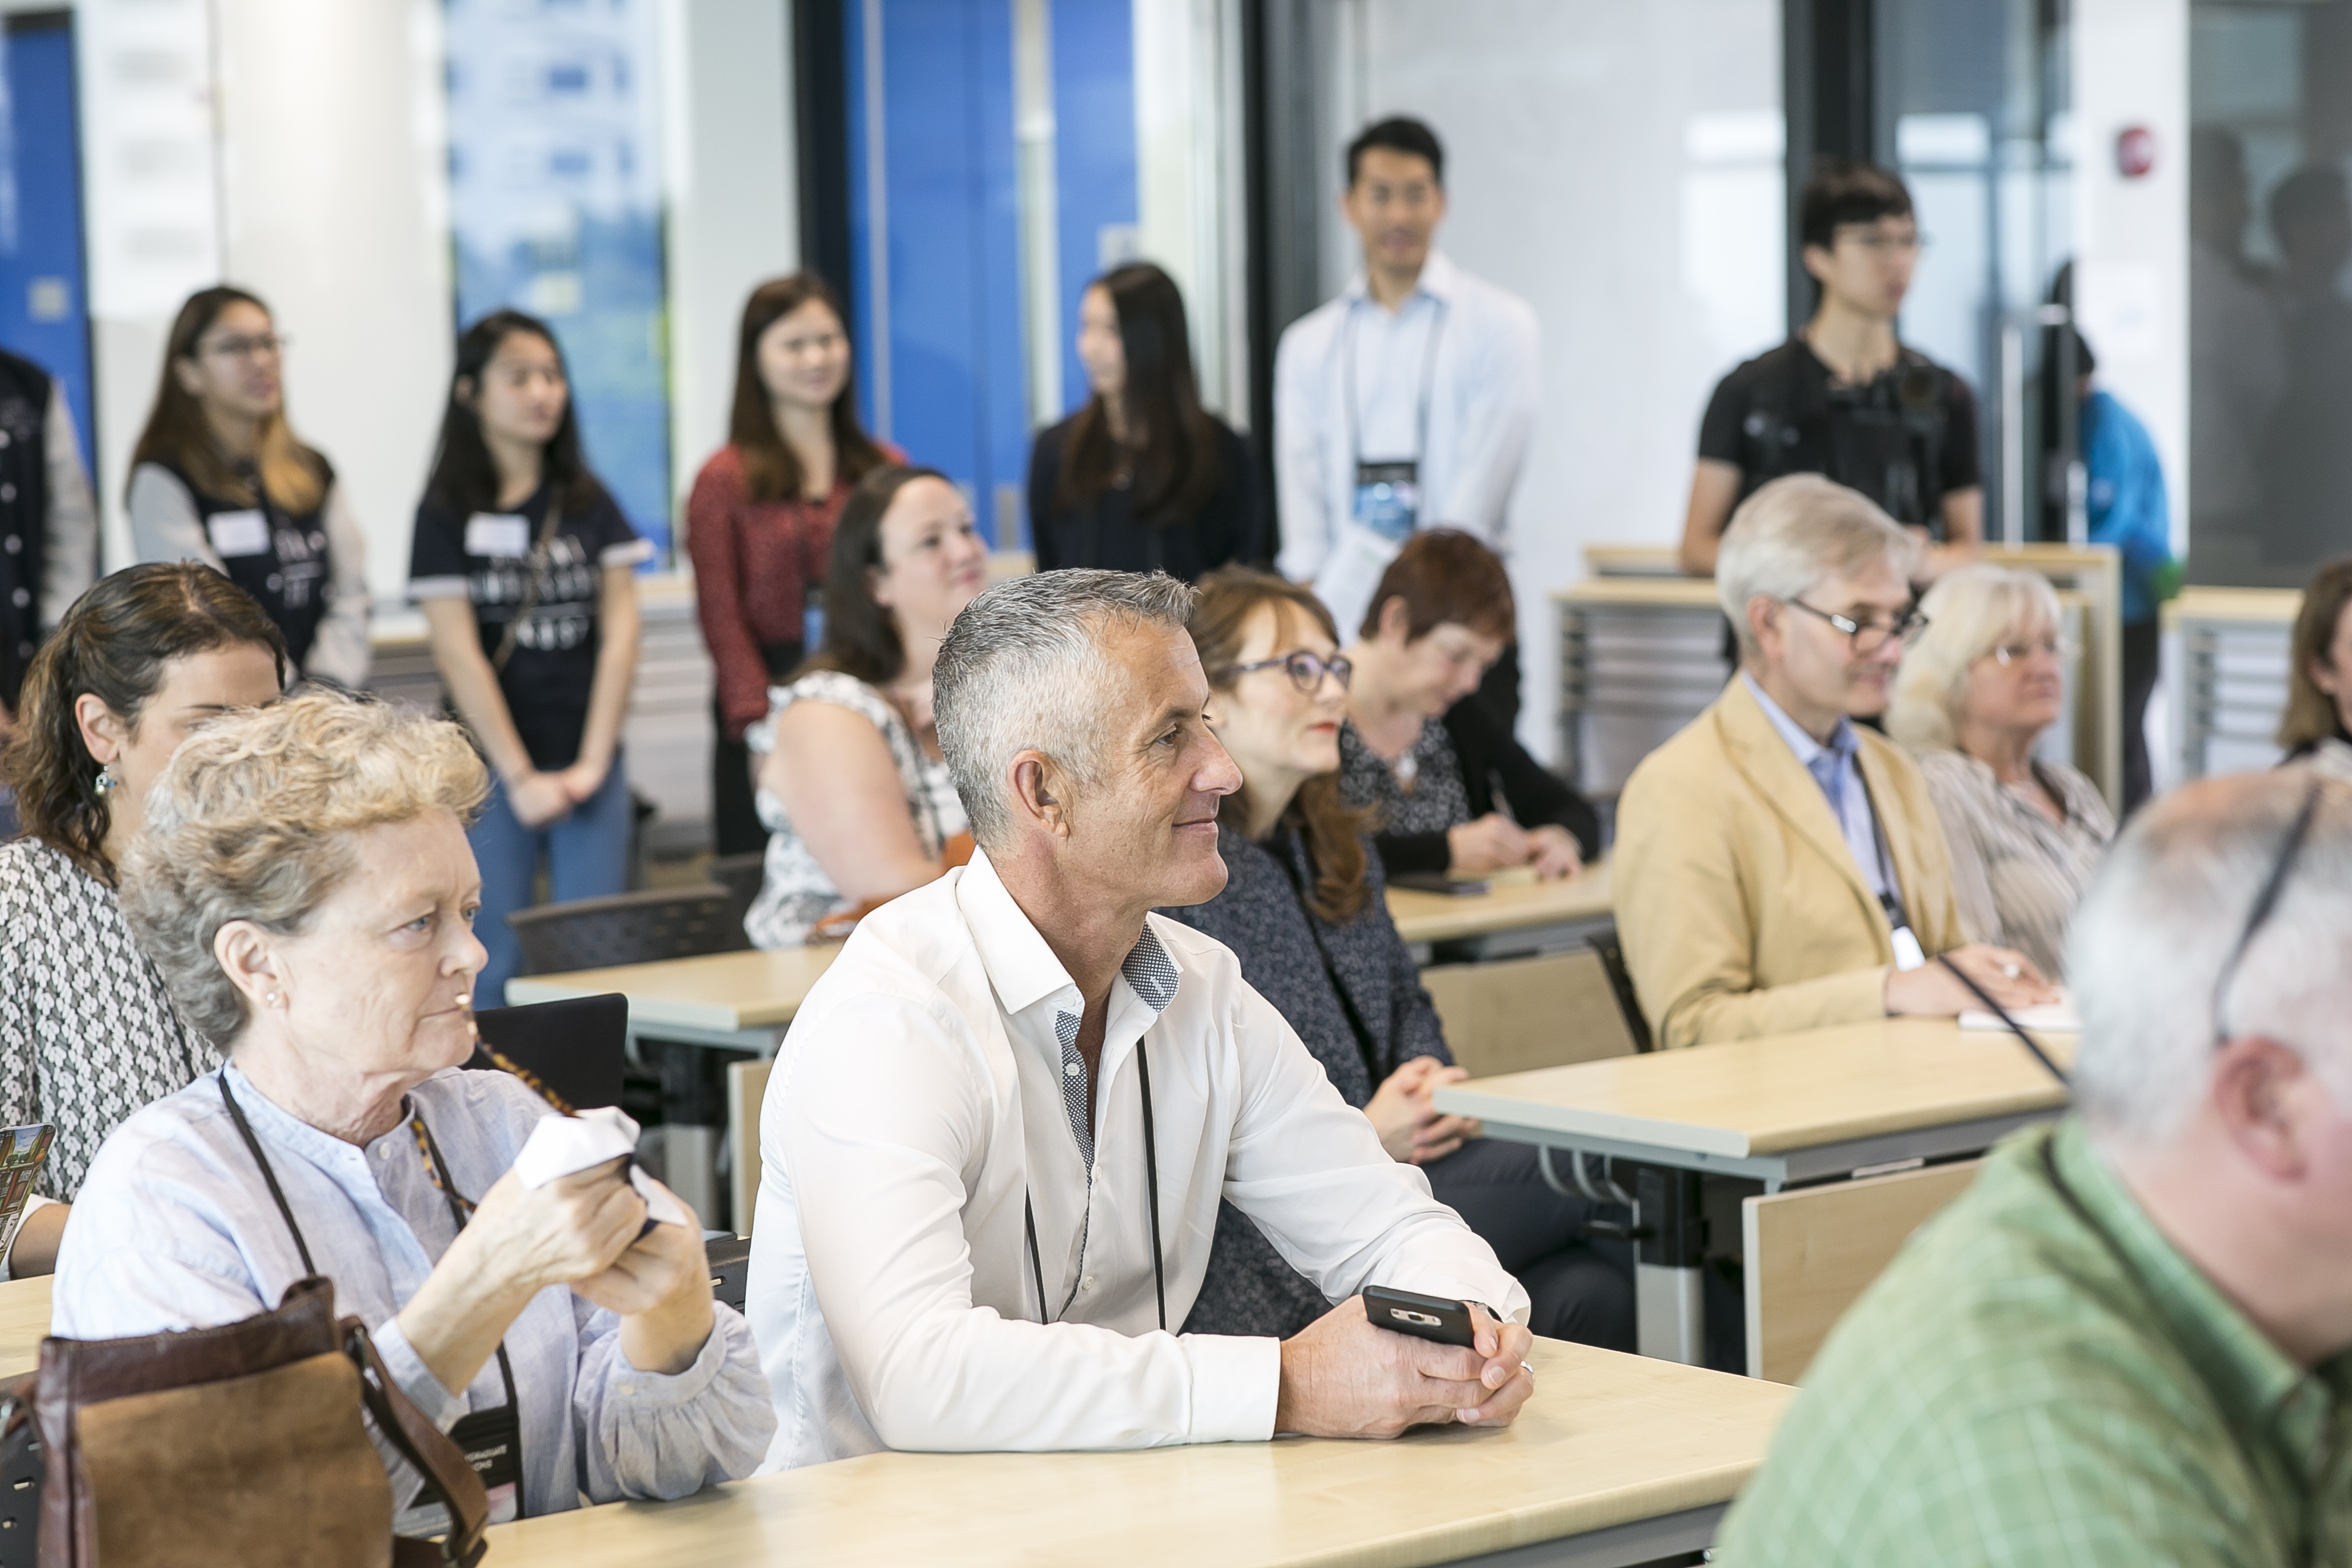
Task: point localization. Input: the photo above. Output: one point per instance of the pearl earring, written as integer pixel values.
(270, 1000)
(106, 783)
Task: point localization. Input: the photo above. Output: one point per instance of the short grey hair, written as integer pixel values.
(2149, 939)
(1023, 669)
(1795, 534)
(1969, 612)
(252, 820)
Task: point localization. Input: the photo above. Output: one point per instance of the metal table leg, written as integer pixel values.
(1670, 1312)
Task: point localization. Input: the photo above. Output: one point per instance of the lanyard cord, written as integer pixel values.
(1151, 1185)
(1892, 898)
(435, 1167)
(1428, 385)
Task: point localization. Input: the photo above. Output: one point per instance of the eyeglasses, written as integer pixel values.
(1881, 244)
(1305, 669)
(2019, 652)
(1868, 637)
(2266, 905)
(269, 345)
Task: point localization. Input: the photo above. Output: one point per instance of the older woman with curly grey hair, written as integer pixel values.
(304, 885)
(1974, 694)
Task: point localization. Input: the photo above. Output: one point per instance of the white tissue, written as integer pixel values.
(562, 1145)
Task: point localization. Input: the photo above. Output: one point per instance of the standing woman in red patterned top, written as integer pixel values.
(759, 523)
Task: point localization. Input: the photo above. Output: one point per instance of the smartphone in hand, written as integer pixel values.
(1424, 1316)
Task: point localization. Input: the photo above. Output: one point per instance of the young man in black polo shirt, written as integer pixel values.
(1844, 398)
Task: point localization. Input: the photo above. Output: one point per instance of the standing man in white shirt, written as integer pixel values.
(1405, 402)
(995, 1140)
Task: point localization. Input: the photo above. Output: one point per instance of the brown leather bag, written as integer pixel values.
(241, 1445)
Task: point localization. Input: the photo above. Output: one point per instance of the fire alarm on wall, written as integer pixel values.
(2134, 151)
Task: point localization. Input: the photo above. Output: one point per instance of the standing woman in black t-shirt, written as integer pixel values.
(218, 477)
(1142, 478)
(526, 571)
(1845, 397)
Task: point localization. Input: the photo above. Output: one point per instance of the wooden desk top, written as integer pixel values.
(718, 991)
(1633, 560)
(24, 1324)
(2236, 607)
(1515, 901)
(1693, 594)
(1609, 1439)
(1768, 1097)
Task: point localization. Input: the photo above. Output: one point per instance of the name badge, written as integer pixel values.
(1907, 951)
(1388, 499)
(499, 536)
(236, 533)
(491, 1441)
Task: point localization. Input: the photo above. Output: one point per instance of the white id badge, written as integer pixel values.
(499, 536)
(236, 533)
(1907, 951)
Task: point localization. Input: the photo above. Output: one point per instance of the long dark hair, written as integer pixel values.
(772, 469)
(1176, 468)
(180, 435)
(1335, 832)
(860, 639)
(114, 644)
(464, 477)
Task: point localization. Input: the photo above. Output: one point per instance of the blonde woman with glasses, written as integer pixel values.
(1975, 692)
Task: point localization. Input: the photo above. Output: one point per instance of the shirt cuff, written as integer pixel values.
(668, 1390)
(421, 589)
(32, 1201)
(627, 553)
(415, 1379)
(1237, 1383)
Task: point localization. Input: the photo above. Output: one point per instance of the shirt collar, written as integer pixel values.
(1439, 279)
(1022, 966)
(1842, 739)
(2258, 1386)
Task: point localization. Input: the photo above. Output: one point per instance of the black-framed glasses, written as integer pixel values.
(2266, 905)
(266, 344)
(1868, 637)
(1304, 668)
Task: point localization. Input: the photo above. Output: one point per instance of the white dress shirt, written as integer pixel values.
(1484, 391)
(930, 1082)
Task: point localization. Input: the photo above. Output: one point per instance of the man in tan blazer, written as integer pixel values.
(1777, 866)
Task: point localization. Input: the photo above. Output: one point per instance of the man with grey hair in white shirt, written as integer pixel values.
(995, 1140)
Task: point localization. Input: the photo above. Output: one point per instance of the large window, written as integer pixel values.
(555, 179)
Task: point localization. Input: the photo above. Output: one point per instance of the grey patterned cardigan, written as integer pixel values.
(1249, 1289)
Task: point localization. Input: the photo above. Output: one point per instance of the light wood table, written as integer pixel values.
(24, 1324)
(1795, 1108)
(1515, 905)
(1617, 1460)
(740, 1000)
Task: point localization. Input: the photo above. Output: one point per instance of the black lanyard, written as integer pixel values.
(499, 1425)
(1891, 901)
(1428, 385)
(1151, 1183)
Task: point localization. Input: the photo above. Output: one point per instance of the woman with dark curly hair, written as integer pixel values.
(88, 1034)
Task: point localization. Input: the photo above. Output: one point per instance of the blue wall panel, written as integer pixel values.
(44, 314)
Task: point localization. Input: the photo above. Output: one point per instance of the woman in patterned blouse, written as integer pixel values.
(853, 790)
(88, 1034)
(1304, 909)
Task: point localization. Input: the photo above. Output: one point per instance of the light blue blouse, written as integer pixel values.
(174, 1228)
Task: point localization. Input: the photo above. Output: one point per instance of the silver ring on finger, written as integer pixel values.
(1526, 1368)
(2010, 970)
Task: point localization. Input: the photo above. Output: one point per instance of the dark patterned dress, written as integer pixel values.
(88, 1034)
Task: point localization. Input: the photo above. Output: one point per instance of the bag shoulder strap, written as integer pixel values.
(268, 1174)
(449, 1480)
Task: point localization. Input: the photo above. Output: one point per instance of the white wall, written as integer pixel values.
(1189, 183)
(1618, 166)
(734, 217)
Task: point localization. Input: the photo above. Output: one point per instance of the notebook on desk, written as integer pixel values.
(2057, 1017)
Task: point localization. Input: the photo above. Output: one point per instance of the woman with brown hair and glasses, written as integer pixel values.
(758, 524)
(88, 1032)
(1142, 478)
(2319, 668)
(219, 476)
(1304, 908)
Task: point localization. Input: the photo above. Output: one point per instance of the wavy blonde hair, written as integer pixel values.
(254, 819)
(1970, 612)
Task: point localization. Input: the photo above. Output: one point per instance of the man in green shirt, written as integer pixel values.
(2127, 1343)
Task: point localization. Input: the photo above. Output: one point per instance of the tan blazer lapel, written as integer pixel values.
(1787, 785)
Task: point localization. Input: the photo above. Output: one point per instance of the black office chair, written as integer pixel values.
(731, 1268)
(743, 876)
(1620, 985)
(627, 928)
(577, 1048)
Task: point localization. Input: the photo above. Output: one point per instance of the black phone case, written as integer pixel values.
(1424, 1316)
